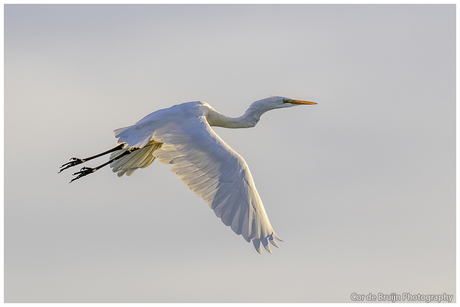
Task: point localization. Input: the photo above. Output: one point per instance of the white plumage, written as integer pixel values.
(181, 136)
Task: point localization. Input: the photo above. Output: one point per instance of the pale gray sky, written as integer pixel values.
(361, 187)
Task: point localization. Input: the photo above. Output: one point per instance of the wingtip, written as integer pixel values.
(276, 237)
(256, 243)
(272, 241)
(267, 247)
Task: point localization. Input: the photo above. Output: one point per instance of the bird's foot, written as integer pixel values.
(83, 172)
(73, 162)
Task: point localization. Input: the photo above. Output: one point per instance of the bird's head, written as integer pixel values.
(277, 102)
(252, 115)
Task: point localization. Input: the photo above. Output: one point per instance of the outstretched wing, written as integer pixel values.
(214, 171)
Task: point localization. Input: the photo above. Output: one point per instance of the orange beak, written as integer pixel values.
(301, 102)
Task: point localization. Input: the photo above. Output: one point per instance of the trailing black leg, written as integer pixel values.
(76, 161)
(89, 170)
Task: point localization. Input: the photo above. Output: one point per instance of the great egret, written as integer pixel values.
(182, 136)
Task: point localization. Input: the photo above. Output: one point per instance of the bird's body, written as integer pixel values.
(182, 136)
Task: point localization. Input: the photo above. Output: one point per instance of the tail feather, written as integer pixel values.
(139, 158)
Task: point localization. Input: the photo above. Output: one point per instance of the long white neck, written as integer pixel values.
(249, 119)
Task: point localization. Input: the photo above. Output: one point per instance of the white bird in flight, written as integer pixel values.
(182, 136)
